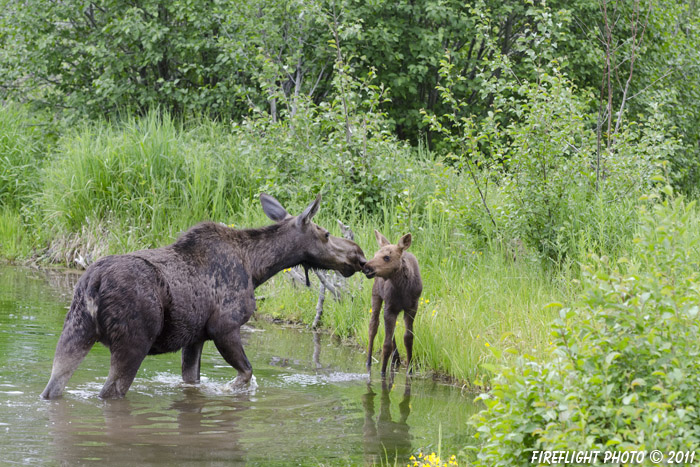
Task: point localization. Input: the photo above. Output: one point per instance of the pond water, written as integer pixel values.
(312, 402)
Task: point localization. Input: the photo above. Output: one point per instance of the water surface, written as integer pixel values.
(311, 403)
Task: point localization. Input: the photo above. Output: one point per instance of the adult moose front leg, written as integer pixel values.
(191, 358)
(230, 347)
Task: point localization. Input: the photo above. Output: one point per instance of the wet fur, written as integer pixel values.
(179, 296)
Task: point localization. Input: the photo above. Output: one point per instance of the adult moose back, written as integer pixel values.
(179, 296)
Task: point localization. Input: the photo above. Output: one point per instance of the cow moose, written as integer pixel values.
(177, 297)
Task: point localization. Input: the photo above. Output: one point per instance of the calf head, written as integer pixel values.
(314, 245)
(388, 259)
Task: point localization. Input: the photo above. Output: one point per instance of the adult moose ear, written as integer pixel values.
(273, 208)
(405, 242)
(381, 239)
(309, 212)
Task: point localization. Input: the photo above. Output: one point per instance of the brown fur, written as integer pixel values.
(398, 284)
(179, 296)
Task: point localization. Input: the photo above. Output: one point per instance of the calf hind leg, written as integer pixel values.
(409, 317)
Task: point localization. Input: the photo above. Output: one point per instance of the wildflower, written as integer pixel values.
(434, 311)
(487, 344)
(370, 310)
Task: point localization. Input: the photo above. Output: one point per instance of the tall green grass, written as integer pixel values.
(21, 149)
(147, 178)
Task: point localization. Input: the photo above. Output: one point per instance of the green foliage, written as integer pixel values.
(21, 152)
(141, 173)
(621, 372)
(98, 57)
(341, 148)
(534, 159)
(15, 240)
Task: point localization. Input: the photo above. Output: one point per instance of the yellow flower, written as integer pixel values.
(487, 344)
(434, 311)
(370, 310)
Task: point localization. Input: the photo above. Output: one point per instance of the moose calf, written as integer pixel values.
(398, 285)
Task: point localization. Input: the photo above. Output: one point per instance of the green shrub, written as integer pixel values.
(622, 372)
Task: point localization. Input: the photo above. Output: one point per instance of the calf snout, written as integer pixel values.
(369, 271)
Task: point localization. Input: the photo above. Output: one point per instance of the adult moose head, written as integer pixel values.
(177, 297)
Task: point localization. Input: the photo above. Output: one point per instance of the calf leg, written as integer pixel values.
(191, 359)
(230, 347)
(409, 317)
(395, 357)
(389, 346)
(373, 325)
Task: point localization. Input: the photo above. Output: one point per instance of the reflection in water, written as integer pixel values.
(383, 436)
(194, 427)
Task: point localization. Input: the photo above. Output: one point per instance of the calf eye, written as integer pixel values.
(386, 259)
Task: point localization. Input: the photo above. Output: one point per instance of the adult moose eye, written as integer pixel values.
(328, 235)
(386, 259)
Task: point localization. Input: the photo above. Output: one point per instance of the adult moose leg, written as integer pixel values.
(230, 347)
(191, 358)
(77, 338)
(124, 364)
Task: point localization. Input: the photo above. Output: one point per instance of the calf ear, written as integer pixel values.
(405, 242)
(273, 208)
(381, 239)
(310, 211)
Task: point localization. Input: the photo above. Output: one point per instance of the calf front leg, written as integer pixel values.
(191, 361)
(389, 327)
(373, 325)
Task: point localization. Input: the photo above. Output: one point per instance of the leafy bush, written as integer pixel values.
(341, 148)
(622, 372)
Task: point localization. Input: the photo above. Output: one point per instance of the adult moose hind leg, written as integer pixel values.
(124, 364)
(77, 338)
(230, 347)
